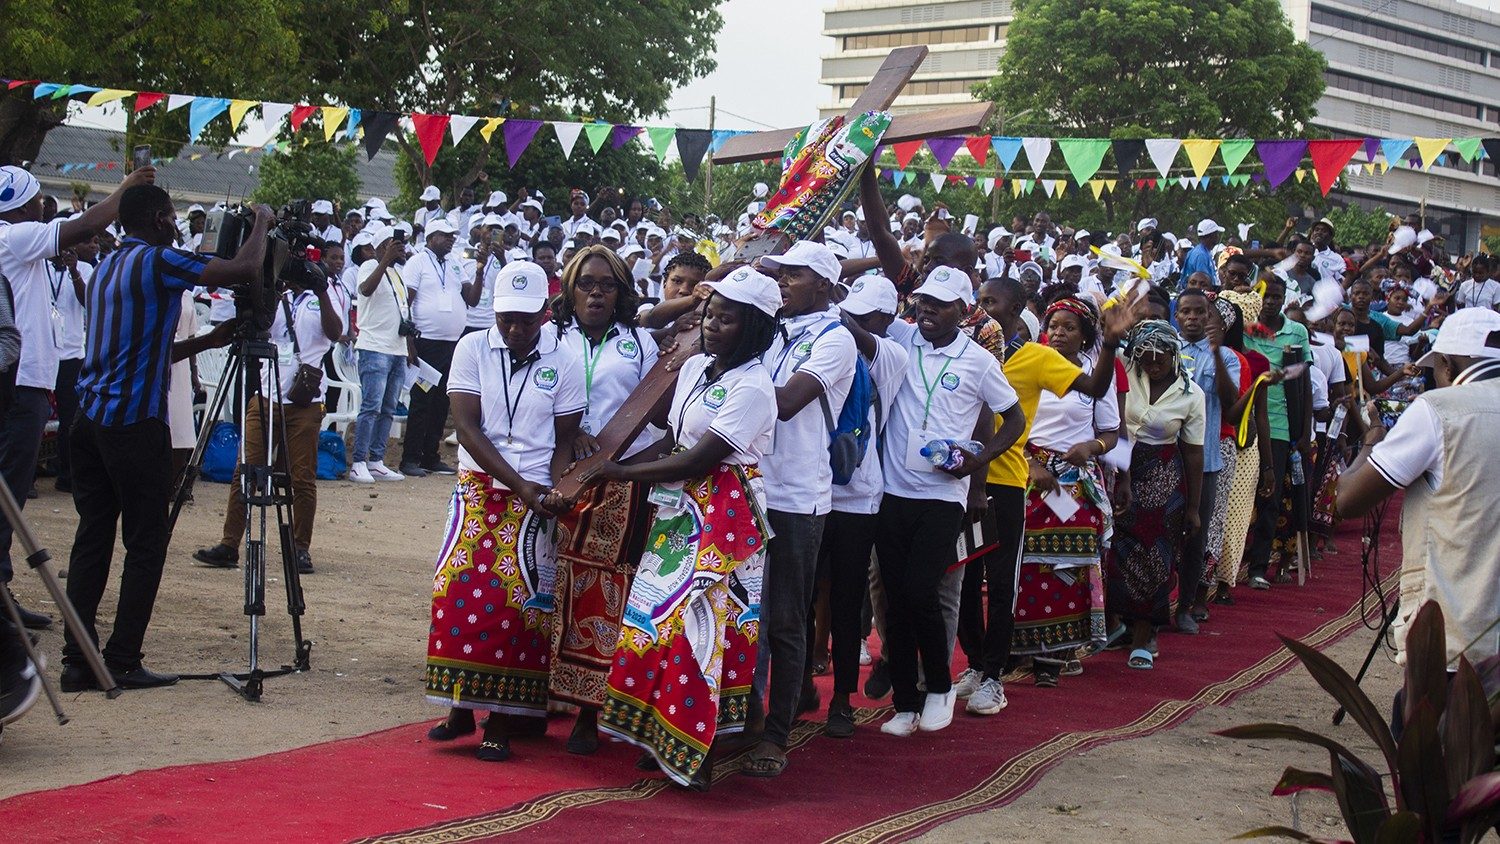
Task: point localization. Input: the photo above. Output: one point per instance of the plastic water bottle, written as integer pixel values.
(944, 454)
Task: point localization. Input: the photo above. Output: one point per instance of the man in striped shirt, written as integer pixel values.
(122, 452)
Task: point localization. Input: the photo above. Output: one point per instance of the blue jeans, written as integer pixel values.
(380, 379)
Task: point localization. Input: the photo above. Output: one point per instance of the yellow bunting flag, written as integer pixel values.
(489, 127)
(1430, 148)
(108, 95)
(1200, 153)
(1097, 186)
(1109, 184)
(333, 118)
(1062, 187)
(1301, 174)
(237, 111)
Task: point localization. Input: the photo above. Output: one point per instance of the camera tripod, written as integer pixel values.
(264, 489)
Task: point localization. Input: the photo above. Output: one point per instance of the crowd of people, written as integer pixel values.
(1115, 432)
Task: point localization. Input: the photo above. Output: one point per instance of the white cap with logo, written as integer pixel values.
(750, 287)
(947, 285)
(521, 287)
(439, 226)
(805, 253)
(1465, 333)
(429, 193)
(322, 206)
(870, 293)
(1208, 227)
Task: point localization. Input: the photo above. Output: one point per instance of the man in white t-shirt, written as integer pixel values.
(323, 224)
(440, 298)
(812, 364)
(26, 244)
(385, 349)
(466, 208)
(431, 208)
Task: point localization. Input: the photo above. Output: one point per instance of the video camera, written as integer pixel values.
(293, 250)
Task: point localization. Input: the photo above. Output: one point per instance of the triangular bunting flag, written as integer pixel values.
(1200, 153)
(518, 135)
(1329, 158)
(460, 126)
(1233, 151)
(378, 124)
(691, 146)
(1393, 149)
(1062, 187)
(201, 111)
(489, 127)
(1369, 168)
(904, 152)
(430, 129)
(107, 95)
(147, 99)
(661, 138)
(1037, 150)
(1372, 148)
(938, 180)
(237, 111)
(1280, 158)
(1127, 153)
(271, 114)
(1016, 186)
(1007, 149)
(1467, 147)
(1109, 184)
(598, 133)
(333, 118)
(1430, 148)
(943, 149)
(979, 147)
(174, 101)
(622, 135)
(1163, 152)
(1182, 181)
(987, 184)
(567, 135)
(300, 113)
(720, 136)
(1491, 149)
(352, 127)
(45, 89)
(1300, 174)
(1083, 156)
(1097, 186)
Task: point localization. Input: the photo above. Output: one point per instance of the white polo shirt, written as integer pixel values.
(959, 378)
(1062, 422)
(862, 493)
(482, 315)
(610, 372)
(312, 344)
(739, 407)
(518, 406)
(70, 325)
(798, 476)
(571, 226)
(24, 250)
(1483, 294)
(437, 289)
(381, 312)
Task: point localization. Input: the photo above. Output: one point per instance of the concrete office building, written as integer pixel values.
(1396, 68)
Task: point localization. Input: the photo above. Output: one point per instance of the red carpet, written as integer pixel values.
(870, 788)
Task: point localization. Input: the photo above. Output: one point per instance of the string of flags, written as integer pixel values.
(1268, 161)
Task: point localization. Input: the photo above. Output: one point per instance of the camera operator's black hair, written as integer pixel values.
(691, 260)
(140, 204)
(755, 337)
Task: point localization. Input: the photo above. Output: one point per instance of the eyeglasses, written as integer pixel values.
(603, 285)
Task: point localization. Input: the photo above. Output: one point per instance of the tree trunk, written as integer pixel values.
(24, 122)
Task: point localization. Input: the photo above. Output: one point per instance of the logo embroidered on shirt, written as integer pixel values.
(949, 381)
(627, 348)
(713, 398)
(545, 378)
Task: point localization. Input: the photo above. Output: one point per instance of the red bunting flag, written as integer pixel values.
(979, 147)
(1329, 158)
(147, 99)
(904, 152)
(300, 113)
(430, 130)
(17, 83)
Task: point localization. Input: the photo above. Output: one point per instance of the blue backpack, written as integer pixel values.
(849, 437)
(222, 454)
(333, 462)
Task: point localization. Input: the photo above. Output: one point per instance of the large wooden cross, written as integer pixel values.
(894, 73)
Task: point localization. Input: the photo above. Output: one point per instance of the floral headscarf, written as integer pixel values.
(1155, 336)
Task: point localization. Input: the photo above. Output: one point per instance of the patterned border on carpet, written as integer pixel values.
(1020, 773)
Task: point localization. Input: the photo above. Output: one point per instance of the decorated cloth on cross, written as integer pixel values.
(819, 168)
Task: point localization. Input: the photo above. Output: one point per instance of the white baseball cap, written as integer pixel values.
(1146, 223)
(440, 226)
(1073, 261)
(947, 285)
(378, 233)
(750, 287)
(870, 293)
(611, 233)
(1081, 234)
(1207, 227)
(1467, 333)
(1424, 235)
(491, 219)
(805, 253)
(997, 234)
(322, 206)
(429, 193)
(532, 203)
(521, 287)
(912, 217)
(497, 198)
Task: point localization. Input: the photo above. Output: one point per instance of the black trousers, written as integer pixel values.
(66, 397)
(1267, 508)
(428, 412)
(984, 634)
(848, 539)
(120, 473)
(21, 432)
(915, 542)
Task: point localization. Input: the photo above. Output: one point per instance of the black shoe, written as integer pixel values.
(840, 721)
(447, 730)
(220, 556)
(438, 467)
(63, 485)
(412, 470)
(493, 751)
(31, 620)
(78, 678)
(878, 684)
(19, 688)
(141, 677)
(304, 562)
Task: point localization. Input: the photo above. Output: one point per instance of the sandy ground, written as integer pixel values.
(368, 616)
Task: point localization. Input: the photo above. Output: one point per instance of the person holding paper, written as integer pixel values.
(1060, 599)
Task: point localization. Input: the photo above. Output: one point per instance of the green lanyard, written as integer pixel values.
(931, 387)
(592, 360)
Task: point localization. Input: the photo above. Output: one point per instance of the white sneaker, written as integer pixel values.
(380, 472)
(937, 712)
(967, 683)
(901, 724)
(452, 439)
(988, 700)
(359, 474)
(864, 654)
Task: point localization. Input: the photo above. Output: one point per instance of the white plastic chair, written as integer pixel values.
(211, 365)
(345, 377)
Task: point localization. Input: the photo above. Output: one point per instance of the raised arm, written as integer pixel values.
(887, 249)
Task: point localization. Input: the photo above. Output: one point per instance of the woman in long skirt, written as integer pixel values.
(1060, 597)
(682, 670)
(1165, 419)
(518, 399)
(1245, 446)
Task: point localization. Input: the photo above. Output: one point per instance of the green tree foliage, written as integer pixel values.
(1354, 226)
(310, 171)
(1160, 68)
(247, 48)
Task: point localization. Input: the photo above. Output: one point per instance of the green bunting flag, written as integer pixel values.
(1083, 156)
(1233, 152)
(598, 133)
(661, 138)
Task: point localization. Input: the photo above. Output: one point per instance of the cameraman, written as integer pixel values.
(122, 451)
(309, 320)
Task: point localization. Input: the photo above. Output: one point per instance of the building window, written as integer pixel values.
(1381, 90)
(1371, 29)
(951, 35)
(926, 88)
